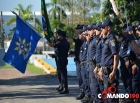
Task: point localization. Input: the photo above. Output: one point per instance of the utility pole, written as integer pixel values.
(2, 50)
(2, 33)
(34, 19)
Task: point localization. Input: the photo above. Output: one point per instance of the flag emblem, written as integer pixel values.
(23, 47)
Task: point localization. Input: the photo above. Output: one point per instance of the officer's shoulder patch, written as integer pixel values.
(97, 41)
(112, 41)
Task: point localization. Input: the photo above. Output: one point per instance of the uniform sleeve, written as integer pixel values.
(113, 44)
(74, 40)
(57, 45)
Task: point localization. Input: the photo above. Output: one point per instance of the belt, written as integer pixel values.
(107, 69)
(98, 65)
(82, 63)
(126, 58)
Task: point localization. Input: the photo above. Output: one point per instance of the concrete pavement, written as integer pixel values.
(36, 89)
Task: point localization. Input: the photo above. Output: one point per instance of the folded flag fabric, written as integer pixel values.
(22, 46)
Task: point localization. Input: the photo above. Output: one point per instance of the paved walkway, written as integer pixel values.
(29, 88)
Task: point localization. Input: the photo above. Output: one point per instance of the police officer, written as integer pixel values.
(62, 53)
(110, 57)
(130, 38)
(125, 61)
(134, 66)
(78, 43)
(98, 70)
(83, 63)
(91, 53)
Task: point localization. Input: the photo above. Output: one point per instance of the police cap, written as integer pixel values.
(98, 26)
(107, 23)
(60, 32)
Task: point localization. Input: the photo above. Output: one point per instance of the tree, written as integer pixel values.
(70, 31)
(56, 10)
(56, 24)
(25, 14)
(132, 13)
(69, 6)
(87, 6)
(96, 17)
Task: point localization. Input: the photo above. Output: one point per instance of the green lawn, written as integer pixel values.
(6, 66)
(30, 67)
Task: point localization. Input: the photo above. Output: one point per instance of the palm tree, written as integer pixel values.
(56, 10)
(69, 5)
(87, 6)
(25, 14)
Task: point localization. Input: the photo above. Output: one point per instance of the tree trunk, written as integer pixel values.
(84, 13)
(72, 13)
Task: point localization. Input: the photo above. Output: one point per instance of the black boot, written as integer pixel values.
(86, 99)
(91, 100)
(60, 89)
(65, 91)
(80, 96)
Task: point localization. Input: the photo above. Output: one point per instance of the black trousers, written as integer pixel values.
(58, 70)
(62, 65)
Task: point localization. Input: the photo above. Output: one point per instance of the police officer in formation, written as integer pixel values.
(83, 64)
(132, 65)
(125, 60)
(78, 43)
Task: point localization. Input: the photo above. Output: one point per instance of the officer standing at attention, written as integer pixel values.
(125, 66)
(78, 43)
(134, 67)
(62, 53)
(83, 64)
(110, 57)
(91, 53)
(98, 70)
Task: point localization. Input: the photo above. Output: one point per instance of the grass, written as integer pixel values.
(30, 67)
(6, 66)
(34, 69)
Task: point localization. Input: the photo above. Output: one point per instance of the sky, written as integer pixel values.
(8, 5)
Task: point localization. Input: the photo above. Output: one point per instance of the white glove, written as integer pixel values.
(45, 40)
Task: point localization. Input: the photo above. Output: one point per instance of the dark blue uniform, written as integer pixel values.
(136, 76)
(62, 49)
(98, 61)
(125, 72)
(99, 51)
(91, 53)
(58, 70)
(84, 71)
(110, 47)
(78, 44)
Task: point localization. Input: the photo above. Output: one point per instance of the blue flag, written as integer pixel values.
(22, 45)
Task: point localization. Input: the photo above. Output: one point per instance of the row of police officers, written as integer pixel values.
(97, 55)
